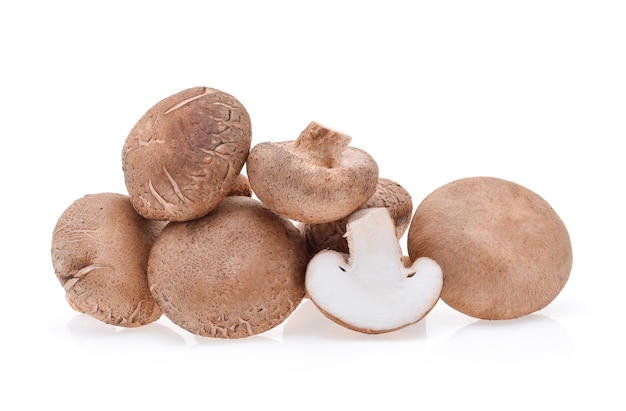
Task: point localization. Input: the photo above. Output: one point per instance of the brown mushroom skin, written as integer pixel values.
(184, 154)
(100, 249)
(315, 179)
(241, 187)
(388, 193)
(234, 273)
(504, 251)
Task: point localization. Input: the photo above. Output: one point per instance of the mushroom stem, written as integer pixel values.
(375, 263)
(321, 146)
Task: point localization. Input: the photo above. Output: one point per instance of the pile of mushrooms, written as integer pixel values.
(226, 255)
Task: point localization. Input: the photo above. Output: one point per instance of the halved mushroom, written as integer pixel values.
(100, 248)
(316, 179)
(371, 290)
(182, 157)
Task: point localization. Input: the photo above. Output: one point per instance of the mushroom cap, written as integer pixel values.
(315, 179)
(182, 157)
(100, 249)
(504, 251)
(388, 194)
(241, 187)
(236, 272)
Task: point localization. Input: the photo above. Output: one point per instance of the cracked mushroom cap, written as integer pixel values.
(100, 249)
(236, 272)
(504, 251)
(316, 179)
(182, 157)
(388, 194)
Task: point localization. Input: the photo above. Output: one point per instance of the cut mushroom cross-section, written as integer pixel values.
(370, 290)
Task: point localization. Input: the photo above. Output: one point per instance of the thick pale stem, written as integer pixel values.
(375, 255)
(321, 146)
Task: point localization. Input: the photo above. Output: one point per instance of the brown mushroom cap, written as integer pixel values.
(182, 157)
(100, 249)
(504, 251)
(315, 179)
(241, 187)
(236, 272)
(388, 194)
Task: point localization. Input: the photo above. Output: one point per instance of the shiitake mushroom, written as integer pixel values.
(503, 249)
(235, 272)
(185, 153)
(100, 249)
(317, 178)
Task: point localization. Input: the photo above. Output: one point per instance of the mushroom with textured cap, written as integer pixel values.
(235, 272)
(388, 194)
(100, 249)
(503, 250)
(183, 155)
(371, 290)
(315, 179)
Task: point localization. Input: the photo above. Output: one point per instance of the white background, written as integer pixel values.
(530, 91)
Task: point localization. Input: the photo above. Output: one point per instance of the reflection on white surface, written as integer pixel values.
(533, 338)
(86, 330)
(446, 349)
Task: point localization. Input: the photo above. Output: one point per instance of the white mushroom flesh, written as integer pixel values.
(371, 289)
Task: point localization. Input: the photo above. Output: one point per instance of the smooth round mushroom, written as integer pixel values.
(388, 194)
(236, 272)
(504, 251)
(100, 249)
(184, 154)
(316, 179)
